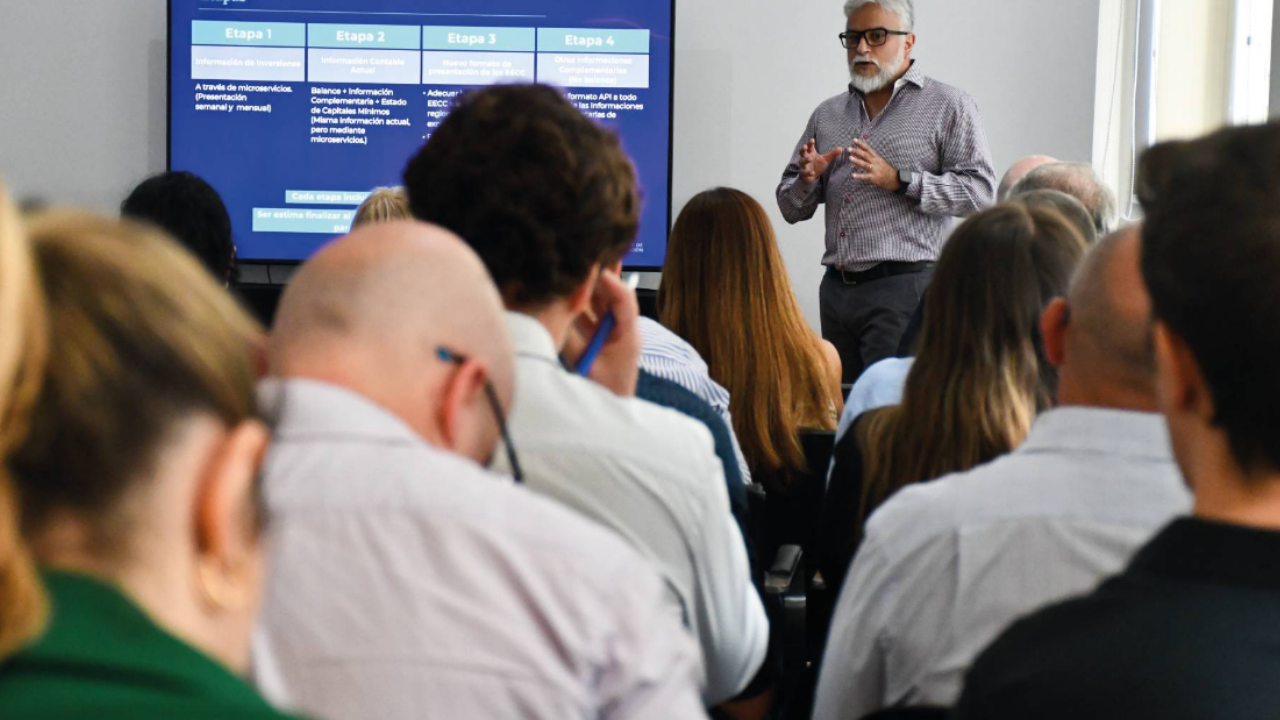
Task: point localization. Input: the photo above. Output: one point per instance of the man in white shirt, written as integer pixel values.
(549, 201)
(406, 582)
(946, 565)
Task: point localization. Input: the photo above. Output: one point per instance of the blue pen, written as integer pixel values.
(607, 323)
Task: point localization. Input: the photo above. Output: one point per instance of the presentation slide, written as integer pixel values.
(295, 109)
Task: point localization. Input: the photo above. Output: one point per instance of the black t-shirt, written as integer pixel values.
(1190, 630)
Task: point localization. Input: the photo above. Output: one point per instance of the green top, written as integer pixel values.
(103, 658)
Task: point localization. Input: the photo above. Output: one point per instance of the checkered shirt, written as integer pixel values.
(928, 127)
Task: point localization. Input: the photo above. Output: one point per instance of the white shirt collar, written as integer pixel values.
(1078, 429)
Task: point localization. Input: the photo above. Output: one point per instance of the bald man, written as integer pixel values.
(1019, 170)
(407, 582)
(947, 565)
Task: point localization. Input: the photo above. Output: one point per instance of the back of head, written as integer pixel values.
(1019, 170)
(1070, 208)
(538, 190)
(146, 341)
(384, 204)
(1110, 355)
(371, 311)
(1080, 181)
(726, 290)
(980, 376)
(1210, 259)
(191, 211)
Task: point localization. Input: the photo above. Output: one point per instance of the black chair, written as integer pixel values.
(785, 525)
(910, 713)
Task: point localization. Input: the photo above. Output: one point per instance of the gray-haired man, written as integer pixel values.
(893, 159)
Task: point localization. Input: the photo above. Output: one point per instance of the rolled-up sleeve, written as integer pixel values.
(797, 202)
(966, 183)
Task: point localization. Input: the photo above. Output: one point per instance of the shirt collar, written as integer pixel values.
(311, 407)
(1200, 551)
(531, 338)
(913, 76)
(1099, 431)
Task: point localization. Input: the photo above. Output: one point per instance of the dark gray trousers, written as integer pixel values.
(865, 321)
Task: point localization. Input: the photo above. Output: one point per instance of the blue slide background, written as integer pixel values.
(252, 159)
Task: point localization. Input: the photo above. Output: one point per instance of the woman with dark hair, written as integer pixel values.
(130, 458)
(726, 291)
(980, 377)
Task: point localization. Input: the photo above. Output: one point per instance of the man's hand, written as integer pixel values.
(870, 168)
(812, 165)
(617, 367)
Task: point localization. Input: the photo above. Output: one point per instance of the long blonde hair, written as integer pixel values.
(726, 291)
(23, 348)
(980, 377)
(145, 338)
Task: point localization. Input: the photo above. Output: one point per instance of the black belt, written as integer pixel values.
(880, 272)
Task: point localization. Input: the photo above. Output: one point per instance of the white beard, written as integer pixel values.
(881, 79)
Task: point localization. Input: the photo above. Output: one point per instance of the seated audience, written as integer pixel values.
(981, 377)
(881, 385)
(947, 565)
(549, 201)
(131, 439)
(191, 211)
(407, 582)
(666, 355)
(1189, 629)
(1071, 209)
(726, 291)
(383, 205)
(1080, 181)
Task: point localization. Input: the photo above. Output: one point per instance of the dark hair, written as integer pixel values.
(981, 375)
(191, 211)
(1211, 259)
(537, 189)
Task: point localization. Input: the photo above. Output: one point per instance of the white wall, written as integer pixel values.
(749, 73)
(84, 111)
(83, 114)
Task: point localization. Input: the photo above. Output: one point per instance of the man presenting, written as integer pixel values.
(893, 159)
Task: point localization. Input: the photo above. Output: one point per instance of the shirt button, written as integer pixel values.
(846, 201)
(841, 235)
(866, 136)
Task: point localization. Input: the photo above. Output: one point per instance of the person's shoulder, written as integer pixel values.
(835, 102)
(949, 95)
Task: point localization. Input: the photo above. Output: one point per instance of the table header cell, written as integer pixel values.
(592, 40)
(377, 37)
(499, 39)
(215, 32)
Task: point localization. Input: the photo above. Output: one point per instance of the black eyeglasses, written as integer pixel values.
(875, 37)
(492, 395)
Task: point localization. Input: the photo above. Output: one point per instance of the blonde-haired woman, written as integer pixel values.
(385, 204)
(726, 291)
(130, 458)
(979, 379)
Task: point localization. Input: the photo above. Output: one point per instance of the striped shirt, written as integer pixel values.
(929, 128)
(669, 356)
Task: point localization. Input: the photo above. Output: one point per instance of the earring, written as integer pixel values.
(217, 589)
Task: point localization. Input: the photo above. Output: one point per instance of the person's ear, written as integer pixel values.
(227, 519)
(461, 411)
(580, 300)
(910, 43)
(1180, 385)
(1053, 328)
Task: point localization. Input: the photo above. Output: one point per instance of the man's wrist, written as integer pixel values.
(905, 179)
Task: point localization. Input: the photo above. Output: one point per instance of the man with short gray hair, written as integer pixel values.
(893, 158)
(1080, 181)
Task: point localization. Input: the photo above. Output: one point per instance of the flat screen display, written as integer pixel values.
(294, 110)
